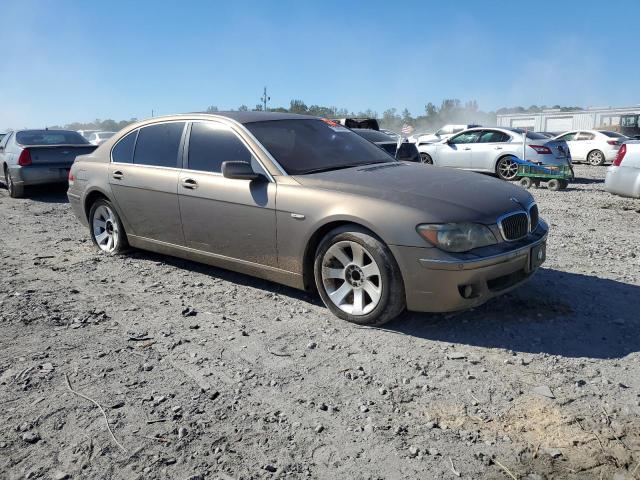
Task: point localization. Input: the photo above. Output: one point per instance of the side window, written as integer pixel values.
(5, 139)
(123, 150)
(568, 137)
(585, 136)
(493, 136)
(465, 137)
(211, 144)
(158, 145)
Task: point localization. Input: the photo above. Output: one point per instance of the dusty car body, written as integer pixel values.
(308, 203)
(37, 157)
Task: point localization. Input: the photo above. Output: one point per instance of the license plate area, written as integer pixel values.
(537, 256)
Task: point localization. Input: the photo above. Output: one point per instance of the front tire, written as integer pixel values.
(357, 277)
(507, 168)
(595, 158)
(426, 158)
(107, 231)
(15, 191)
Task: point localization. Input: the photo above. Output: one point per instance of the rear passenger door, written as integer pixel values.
(490, 145)
(143, 175)
(227, 217)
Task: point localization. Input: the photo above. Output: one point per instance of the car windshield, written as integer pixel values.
(50, 137)
(373, 135)
(612, 134)
(308, 146)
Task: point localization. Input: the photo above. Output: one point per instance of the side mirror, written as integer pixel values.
(239, 170)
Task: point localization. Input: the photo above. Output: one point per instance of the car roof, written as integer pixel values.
(249, 117)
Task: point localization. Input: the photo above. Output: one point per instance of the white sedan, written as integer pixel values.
(623, 176)
(593, 146)
(495, 150)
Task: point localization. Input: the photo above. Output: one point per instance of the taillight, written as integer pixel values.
(71, 178)
(621, 153)
(612, 142)
(25, 158)
(541, 149)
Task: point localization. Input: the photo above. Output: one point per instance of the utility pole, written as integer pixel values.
(265, 99)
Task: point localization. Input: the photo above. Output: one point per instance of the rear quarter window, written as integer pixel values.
(123, 150)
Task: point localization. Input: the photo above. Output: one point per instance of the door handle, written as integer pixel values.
(467, 148)
(118, 175)
(189, 183)
(497, 148)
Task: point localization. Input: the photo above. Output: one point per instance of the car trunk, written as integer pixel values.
(559, 148)
(60, 156)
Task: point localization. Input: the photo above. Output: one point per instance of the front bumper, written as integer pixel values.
(39, 175)
(452, 284)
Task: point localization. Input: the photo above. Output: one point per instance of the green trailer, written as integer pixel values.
(533, 174)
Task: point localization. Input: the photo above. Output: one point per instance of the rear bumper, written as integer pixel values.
(623, 181)
(76, 205)
(439, 284)
(39, 175)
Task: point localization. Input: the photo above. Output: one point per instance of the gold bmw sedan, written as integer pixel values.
(306, 202)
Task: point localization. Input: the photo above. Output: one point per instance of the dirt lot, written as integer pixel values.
(204, 373)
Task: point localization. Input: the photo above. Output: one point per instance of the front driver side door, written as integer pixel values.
(226, 217)
(458, 151)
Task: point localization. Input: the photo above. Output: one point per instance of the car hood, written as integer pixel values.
(442, 194)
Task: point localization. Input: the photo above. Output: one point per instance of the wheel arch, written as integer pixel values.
(90, 198)
(314, 241)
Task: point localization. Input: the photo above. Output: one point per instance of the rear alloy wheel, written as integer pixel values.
(426, 158)
(107, 231)
(507, 168)
(15, 191)
(595, 158)
(358, 278)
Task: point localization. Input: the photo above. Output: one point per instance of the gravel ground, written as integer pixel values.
(204, 373)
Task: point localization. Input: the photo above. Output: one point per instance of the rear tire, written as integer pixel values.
(15, 191)
(105, 226)
(507, 168)
(426, 158)
(357, 277)
(595, 158)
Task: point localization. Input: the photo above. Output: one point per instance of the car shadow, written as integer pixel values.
(47, 193)
(557, 313)
(586, 181)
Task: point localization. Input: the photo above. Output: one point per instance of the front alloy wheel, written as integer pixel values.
(507, 168)
(426, 158)
(358, 278)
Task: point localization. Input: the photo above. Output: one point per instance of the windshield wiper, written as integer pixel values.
(339, 167)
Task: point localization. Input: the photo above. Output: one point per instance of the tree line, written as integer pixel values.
(431, 118)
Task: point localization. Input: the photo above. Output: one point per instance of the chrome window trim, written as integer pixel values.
(141, 165)
(246, 145)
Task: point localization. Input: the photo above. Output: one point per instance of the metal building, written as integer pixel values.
(555, 120)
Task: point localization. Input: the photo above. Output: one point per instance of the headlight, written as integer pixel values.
(457, 237)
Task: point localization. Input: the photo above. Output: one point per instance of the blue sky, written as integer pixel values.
(65, 61)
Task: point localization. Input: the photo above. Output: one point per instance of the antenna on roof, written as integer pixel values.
(264, 99)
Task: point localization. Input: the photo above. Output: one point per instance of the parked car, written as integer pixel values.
(623, 176)
(494, 150)
(407, 151)
(391, 133)
(309, 203)
(445, 132)
(593, 146)
(35, 157)
(98, 138)
(87, 133)
(361, 122)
